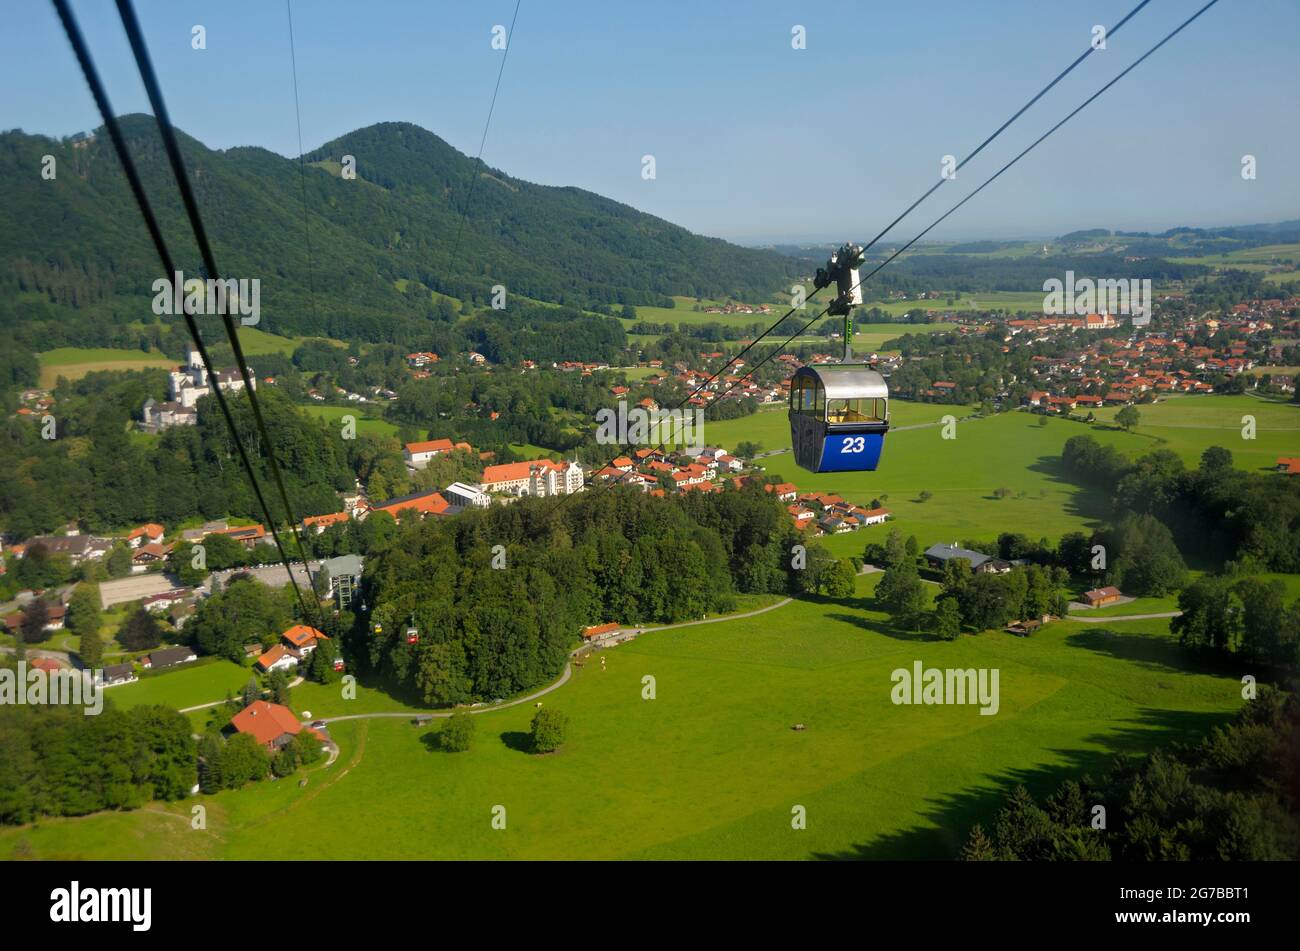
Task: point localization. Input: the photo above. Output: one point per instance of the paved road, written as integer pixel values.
(564, 676)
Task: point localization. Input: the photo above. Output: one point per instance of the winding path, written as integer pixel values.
(564, 677)
(1122, 617)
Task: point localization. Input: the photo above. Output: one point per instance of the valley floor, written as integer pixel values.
(711, 767)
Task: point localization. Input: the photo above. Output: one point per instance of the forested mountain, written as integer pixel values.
(76, 261)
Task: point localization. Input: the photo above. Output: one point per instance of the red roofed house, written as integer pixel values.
(145, 534)
(420, 503)
(322, 522)
(246, 535)
(1288, 464)
(278, 657)
(785, 491)
(272, 725)
(303, 638)
(418, 454)
(871, 516)
(147, 555)
(600, 632)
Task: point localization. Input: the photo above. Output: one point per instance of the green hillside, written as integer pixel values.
(74, 255)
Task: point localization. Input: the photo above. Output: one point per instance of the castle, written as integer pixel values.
(185, 386)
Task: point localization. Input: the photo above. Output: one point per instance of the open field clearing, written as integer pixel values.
(1189, 425)
(711, 767)
(366, 422)
(189, 685)
(75, 362)
(1008, 451)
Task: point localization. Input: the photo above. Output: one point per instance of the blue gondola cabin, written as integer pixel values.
(839, 414)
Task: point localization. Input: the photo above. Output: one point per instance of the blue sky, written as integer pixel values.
(753, 141)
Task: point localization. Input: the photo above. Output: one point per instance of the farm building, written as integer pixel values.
(1100, 597)
(600, 632)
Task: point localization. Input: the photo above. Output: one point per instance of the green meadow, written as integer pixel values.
(1009, 451)
(1188, 425)
(190, 685)
(366, 422)
(73, 363)
(710, 767)
(1012, 451)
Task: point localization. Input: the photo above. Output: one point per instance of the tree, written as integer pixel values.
(180, 563)
(548, 731)
(457, 732)
(84, 615)
(748, 450)
(1042, 420)
(895, 549)
(32, 626)
(817, 570)
(141, 632)
(1216, 460)
(978, 847)
(278, 684)
(947, 619)
(118, 561)
(1074, 553)
(320, 667)
(285, 762)
(1144, 559)
(903, 594)
(924, 495)
(243, 760)
(307, 746)
(1128, 417)
(839, 579)
(91, 650)
(1211, 616)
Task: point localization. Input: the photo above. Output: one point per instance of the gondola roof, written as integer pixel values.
(847, 381)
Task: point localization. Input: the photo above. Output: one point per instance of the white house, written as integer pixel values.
(463, 496)
(418, 454)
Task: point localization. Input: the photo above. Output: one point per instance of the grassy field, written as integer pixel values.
(75, 362)
(187, 686)
(872, 337)
(1011, 451)
(711, 767)
(366, 423)
(1189, 425)
(1278, 258)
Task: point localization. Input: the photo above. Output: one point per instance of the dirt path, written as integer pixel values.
(565, 675)
(1123, 617)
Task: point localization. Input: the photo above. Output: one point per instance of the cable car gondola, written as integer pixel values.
(839, 412)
